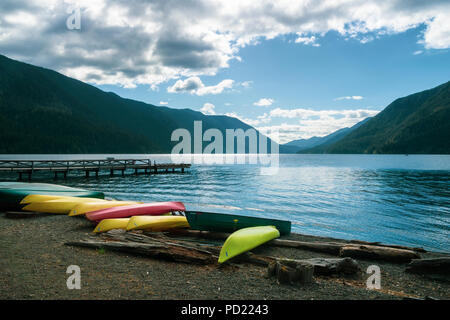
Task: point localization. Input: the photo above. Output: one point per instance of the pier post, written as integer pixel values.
(65, 174)
(182, 170)
(123, 172)
(111, 172)
(87, 173)
(96, 173)
(29, 175)
(20, 175)
(56, 175)
(135, 171)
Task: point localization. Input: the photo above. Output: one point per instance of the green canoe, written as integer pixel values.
(246, 239)
(221, 222)
(11, 193)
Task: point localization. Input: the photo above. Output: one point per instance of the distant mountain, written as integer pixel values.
(416, 124)
(43, 111)
(306, 144)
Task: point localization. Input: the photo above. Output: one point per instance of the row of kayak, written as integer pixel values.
(246, 232)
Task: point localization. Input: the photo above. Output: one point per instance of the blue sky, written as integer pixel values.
(300, 68)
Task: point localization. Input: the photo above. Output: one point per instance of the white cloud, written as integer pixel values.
(194, 85)
(246, 84)
(303, 123)
(208, 109)
(163, 103)
(307, 40)
(349, 98)
(417, 52)
(151, 42)
(264, 102)
(311, 123)
(437, 34)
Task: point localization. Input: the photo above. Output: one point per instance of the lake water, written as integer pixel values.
(394, 199)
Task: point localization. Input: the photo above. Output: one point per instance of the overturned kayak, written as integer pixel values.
(60, 206)
(45, 197)
(11, 193)
(157, 223)
(246, 239)
(155, 208)
(110, 224)
(86, 207)
(221, 222)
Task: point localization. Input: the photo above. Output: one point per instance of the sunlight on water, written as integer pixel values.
(389, 198)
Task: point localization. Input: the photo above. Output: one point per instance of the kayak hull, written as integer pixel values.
(86, 207)
(228, 223)
(157, 223)
(11, 193)
(246, 239)
(110, 224)
(58, 206)
(155, 208)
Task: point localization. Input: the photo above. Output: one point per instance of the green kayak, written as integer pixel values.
(11, 193)
(246, 239)
(221, 222)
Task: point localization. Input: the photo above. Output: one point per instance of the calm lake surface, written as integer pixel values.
(394, 199)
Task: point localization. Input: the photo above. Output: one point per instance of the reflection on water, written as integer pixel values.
(388, 198)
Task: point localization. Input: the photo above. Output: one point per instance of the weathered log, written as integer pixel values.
(418, 249)
(327, 266)
(157, 250)
(300, 273)
(121, 235)
(378, 253)
(430, 266)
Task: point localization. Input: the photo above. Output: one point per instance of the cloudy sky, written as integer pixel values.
(306, 68)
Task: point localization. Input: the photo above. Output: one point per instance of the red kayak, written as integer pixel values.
(153, 209)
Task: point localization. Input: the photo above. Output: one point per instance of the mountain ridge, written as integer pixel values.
(415, 124)
(43, 111)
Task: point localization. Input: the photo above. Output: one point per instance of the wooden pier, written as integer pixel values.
(63, 167)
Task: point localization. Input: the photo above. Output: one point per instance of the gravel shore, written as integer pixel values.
(34, 260)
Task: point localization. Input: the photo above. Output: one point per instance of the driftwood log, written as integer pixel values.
(436, 268)
(147, 246)
(417, 249)
(289, 271)
(378, 253)
(297, 274)
(352, 250)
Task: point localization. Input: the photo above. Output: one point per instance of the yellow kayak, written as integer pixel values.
(42, 197)
(86, 207)
(61, 206)
(157, 223)
(109, 224)
(246, 239)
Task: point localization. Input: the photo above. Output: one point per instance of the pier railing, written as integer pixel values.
(65, 166)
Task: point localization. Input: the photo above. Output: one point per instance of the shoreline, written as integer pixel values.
(35, 260)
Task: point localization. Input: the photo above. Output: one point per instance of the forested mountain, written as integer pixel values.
(418, 123)
(317, 143)
(43, 111)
